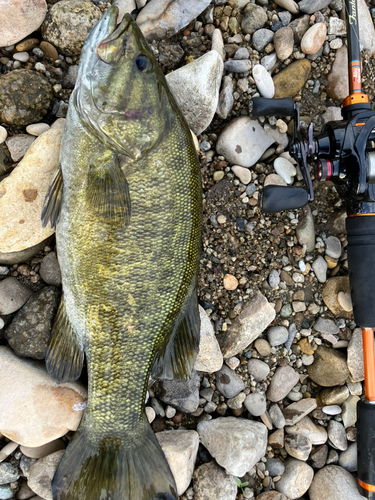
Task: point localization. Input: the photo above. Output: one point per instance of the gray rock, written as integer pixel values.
(182, 394)
(283, 381)
(261, 38)
(42, 472)
(237, 66)
(337, 435)
(348, 458)
(320, 269)
(228, 382)
(256, 404)
(13, 295)
(333, 457)
(306, 427)
(225, 103)
(254, 18)
(30, 331)
(323, 325)
(50, 270)
(349, 411)
(338, 86)
(299, 27)
(211, 481)
(333, 247)
(306, 230)
(269, 62)
(311, 6)
(157, 407)
(209, 357)
(236, 444)
(355, 356)
(296, 479)
(258, 369)
(274, 279)
(242, 53)
(277, 335)
(335, 483)
(297, 411)
(8, 473)
(285, 17)
(276, 416)
(298, 446)
(275, 467)
(333, 113)
(283, 41)
(318, 456)
(18, 145)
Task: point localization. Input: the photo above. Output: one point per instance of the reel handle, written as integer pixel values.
(278, 198)
(262, 106)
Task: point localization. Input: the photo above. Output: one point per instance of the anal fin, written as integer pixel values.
(175, 359)
(53, 200)
(64, 357)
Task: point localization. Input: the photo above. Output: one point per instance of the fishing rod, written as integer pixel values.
(343, 153)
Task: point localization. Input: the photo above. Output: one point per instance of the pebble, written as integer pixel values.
(338, 86)
(337, 435)
(318, 456)
(25, 387)
(243, 141)
(320, 269)
(254, 18)
(329, 367)
(276, 416)
(296, 479)
(21, 56)
(230, 282)
(285, 169)
(42, 472)
(306, 427)
(333, 247)
(37, 128)
(180, 449)
(236, 444)
(283, 381)
(283, 42)
(335, 396)
(275, 467)
(258, 369)
(237, 66)
(228, 382)
(276, 439)
(274, 279)
(324, 325)
(335, 483)
(49, 51)
(336, 26)
(263, 81)
(311, 6)
(209, 358)
(271, 495)
(6, 492)
(332, 410)
(349, 411)
(345, 301)
(277, 335)
(261, 38)
(218, 44)
(274, 179)
(291, 79)
(13, 295)
(243, 174)
(50, 270)
(289, 5)
(225, 102)
(3, 134)
(29, 15)
(269, 62)
(355, 356)
(182, 394)
(8, 473)
(348, 458)
(298, 446)
(160, 19)
(255, 404)
(297, 411)
(18, 145)
(23, 194)
(67, 25)
(7, 450)
(314, 38)
(195, 87)
(211, 481)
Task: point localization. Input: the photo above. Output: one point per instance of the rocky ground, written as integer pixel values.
(270, 410)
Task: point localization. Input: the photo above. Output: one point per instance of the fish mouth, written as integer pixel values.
(113, 46)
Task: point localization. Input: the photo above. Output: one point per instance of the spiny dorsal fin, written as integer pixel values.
(53, 200)
(108, 191)
(176, 357)
(64, 357)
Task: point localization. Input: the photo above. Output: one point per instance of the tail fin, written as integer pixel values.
(111, 469)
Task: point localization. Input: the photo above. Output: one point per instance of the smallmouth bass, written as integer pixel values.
(126, 203)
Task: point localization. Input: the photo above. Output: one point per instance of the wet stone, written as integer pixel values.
(228, 382)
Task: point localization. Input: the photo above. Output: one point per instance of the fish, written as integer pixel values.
(126, 201)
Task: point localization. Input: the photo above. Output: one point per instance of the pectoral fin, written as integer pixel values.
(175, 359)
(53, 200)
(64, 357)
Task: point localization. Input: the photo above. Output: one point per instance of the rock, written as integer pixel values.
(291, 79)
(314, 38)
(196, 87)
(25, 387)
(42, 472)
(124, 6)
(70, 77)
(366, 27)
(258, 369)
(337, 26)
(283, 381)
(274, 278)
(29, 15)
(30, 331)
(237, 66)
(260, 39)
(306, 427)
(275, 467)
(271, 494)
(230, 282)
(18, 145)
(228, 382)
(43, 451)
(269, 62)
(330, 295)
(324, 325)
(182, 394)
(277, 335)
(337, 435)
(180, 449)
(7, 450)
(345, 301)
(333, 113)
(3, 135)
(243, 174)
(236, 444)
(22, 195)
(299, 27)
(298, 446)
(348, 458)
(332, 410)
(338, 86)
(211, 481)
(320, 269)
(289, 5)
(49, 51)
(297, 411)
(283, 41)
(162, 19)
(335, 483)
(349, 411)
(253, 320)
(311, 6)
(329, 367)
(263, 81)
(333, 247)
(335, 396)
(276, 439)
(355, 356)
(243, 141)
(296, 479)
(263, 347)
(50, 270)
(285, 169)
(8, 473)
(276, 416)
(6, 492)
(225, 103)
(218, 44)
(22, 256)
(254, 18)
(209, 357)
(13, 295)
(37, 128)
(274, 180)
(306, 230)
(255, 404)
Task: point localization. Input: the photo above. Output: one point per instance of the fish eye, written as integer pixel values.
(142, 62)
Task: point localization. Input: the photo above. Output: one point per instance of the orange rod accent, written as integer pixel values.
(361, 215)
(369, 362)
(365, 486)
(359, 124)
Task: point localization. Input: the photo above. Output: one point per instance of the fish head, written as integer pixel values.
(122, 95)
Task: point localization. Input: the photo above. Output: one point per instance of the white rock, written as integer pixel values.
(289, 5)
(243, 141)
(34, 409)
(180, 449)
(334, 483)
(22, 195)
(263, 81)
(150, 413)
(244, 174)
(285, 169)
(124, 6)
(163, 18)
(21, 56)
(209, 357)
(7, 450)
(218, 43)
(3, 134)
(314, 38)
(366, 27)
(236, 444)
(269, 61)
(37, 128)
(19, 18)
(196, 89)
(296, 479)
